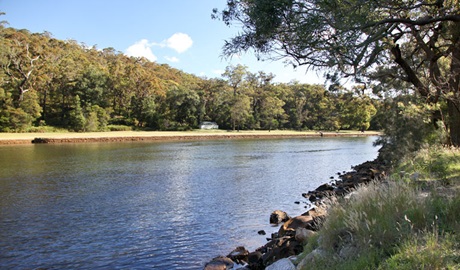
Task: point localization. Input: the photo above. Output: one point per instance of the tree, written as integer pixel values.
(356, 113)
(236, 77)
(240, 111)
(20, 65)
(77, 120)
(417, 42)
(183, 107)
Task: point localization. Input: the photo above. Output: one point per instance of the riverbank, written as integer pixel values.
(295, 232)
(132, 136)
(371, 220)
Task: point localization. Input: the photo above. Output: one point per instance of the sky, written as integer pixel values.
(180, 33)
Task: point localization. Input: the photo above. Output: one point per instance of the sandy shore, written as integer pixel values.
(120, 136)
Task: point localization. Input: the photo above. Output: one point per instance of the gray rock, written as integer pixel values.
(302, 235)
(283, 264)
(311, 257)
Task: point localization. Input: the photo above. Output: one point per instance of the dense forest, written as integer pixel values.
(50, 83)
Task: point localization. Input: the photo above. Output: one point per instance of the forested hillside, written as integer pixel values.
(46, 82)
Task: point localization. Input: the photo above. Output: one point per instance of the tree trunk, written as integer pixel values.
(453, 102)
(454, 123)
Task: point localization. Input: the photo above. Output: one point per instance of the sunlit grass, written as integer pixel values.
(434, 163)
(389, 226)
(427, 251)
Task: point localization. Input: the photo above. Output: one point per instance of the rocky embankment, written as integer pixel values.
(295, 231)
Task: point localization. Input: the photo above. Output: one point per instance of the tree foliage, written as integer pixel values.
(410, 43)
(49, 82)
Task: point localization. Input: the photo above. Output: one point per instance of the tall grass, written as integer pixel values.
(383, 222)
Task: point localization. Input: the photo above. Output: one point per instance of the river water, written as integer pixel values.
(168, 205)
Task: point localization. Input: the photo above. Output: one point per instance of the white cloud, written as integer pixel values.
(218, 71)
(172, 59)
(141, 49)
(180, 42)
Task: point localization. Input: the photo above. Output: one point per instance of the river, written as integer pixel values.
(157, 205)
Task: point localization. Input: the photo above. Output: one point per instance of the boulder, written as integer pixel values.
(283, 247)
(255, 260)
(283, 264)
(278, 216)
(219, 263)
(239, 255)
(325, 187)
(311, 257)
(294, 223)
(315, 212)
(302, 235)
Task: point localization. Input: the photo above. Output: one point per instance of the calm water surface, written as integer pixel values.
(171, 205)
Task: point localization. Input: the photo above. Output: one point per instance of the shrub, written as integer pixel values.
(119, 128)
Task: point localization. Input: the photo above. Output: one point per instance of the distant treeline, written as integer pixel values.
(49, 82)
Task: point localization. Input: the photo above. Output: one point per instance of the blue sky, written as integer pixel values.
(179, 33)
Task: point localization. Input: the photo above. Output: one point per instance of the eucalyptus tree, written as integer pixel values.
(19, 59)
(416, 41)
(240, 104)
(183, 103)
(21, 62)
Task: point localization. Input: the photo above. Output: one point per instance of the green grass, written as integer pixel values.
(427, 251)
(397, 224)
(434, 163)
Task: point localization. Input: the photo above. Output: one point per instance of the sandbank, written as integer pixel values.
(126, 136)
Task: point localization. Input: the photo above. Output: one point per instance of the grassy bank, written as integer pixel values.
(409, 221)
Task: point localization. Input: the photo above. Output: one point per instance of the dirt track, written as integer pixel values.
(124, 136)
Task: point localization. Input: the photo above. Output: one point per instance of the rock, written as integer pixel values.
(312, 198)
(283, 264)
(262, 232)
(280, 248)
(325, 187)
(255, 260)
(311, 257)
(219, 263)
(302, 235)
(278, 216)
(239, 255)
(294, 223)
(40, 140)
(316, 211)
(340, 191)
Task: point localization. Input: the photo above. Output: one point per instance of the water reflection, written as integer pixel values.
(155, 205)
